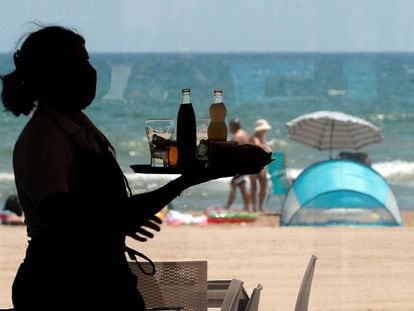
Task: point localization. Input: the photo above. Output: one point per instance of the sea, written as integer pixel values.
(279, 87)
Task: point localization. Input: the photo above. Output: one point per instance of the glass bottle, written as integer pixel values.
(186, 133)
(217, 129)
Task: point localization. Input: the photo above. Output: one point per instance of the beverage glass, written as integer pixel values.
(159, 134)
(201, 136)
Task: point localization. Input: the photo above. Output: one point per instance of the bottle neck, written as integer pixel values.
(217, 97)
(185, 97)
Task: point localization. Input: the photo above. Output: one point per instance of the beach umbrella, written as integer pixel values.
(327, 130)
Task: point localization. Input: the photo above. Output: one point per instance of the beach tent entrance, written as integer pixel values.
(340, 192)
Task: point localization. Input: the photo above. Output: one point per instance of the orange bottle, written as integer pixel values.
(217, 129)
(173, 154)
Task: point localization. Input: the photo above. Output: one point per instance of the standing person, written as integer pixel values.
(259, 139)
(64, 166)
(241, 137)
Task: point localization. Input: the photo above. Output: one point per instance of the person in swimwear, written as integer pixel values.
(259, 139)
(240, 136)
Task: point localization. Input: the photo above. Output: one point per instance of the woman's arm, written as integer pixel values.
(144, 205)
(141, 208)
(149, 203)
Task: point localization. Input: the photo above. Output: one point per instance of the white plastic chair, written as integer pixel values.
(302, 301)
(227, 295)
(253, 304)
(233, 295)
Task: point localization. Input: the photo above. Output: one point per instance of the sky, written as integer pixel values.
(219, 25)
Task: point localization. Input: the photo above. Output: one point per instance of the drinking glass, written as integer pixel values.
(159, 134)
(202, 137)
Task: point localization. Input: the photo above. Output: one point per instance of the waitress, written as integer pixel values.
(69, 184)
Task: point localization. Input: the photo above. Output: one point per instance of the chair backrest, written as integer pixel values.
(174, 284)
(219, 293)
(233, 296)
(278, 174)
(302, 300)
(253, 304)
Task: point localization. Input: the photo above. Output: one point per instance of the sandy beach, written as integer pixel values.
(357, 268)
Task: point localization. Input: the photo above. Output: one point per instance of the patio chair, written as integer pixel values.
(176, 285)
(227, 295)
(232, 297)
(302, 300)
(279, 180)
(253, 304)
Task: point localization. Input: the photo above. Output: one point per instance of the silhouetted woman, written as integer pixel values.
(69, 185)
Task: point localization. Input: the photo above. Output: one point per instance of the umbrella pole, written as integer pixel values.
(331, 139)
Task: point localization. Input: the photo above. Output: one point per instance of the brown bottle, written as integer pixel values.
(217, 129)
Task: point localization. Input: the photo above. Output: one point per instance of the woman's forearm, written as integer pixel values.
(149, 203)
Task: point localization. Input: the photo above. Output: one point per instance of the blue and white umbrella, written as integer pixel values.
(327, 130)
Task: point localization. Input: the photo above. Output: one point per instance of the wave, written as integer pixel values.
(159, 179)
(9, 177)
(4, 176)
(396, 170)
(335, 92)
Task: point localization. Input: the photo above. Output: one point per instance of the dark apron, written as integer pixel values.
(83, 266)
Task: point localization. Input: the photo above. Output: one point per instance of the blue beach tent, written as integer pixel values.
(340, 192)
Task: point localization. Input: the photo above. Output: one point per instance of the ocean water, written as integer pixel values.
(277, 87)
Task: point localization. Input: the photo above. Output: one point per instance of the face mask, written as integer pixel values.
(73, 89)
(82, 86)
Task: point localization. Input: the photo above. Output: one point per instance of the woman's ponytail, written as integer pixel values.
(16, 96)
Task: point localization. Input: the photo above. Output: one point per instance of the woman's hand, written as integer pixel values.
(142, 232)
